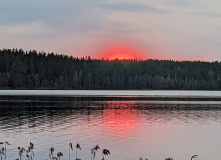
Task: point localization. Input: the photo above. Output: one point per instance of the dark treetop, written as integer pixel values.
(32, 70)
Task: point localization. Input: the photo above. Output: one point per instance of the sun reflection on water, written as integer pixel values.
(121, 120)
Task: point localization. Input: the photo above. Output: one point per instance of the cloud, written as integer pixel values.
(23, 11)
(61, 13)
(34, 30)
(180, 3)
(169, 26)
(130, 7)
(208, 14)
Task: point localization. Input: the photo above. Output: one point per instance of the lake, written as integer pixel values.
(130, 124)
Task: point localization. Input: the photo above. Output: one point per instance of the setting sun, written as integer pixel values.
(122, 52)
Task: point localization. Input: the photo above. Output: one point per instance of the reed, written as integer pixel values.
(2, 152)
(6, 143)
(3, 149)
(77, 147)
(51, 152)
(30, 152)
(195, 157)
(20, 152)
(59, 155)
(93, 151)
(105, 152)
(70, 148)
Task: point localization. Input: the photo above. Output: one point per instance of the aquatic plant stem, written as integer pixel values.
(5, 150)
(76, 153)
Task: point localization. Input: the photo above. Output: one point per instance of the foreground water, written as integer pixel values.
(130, 128)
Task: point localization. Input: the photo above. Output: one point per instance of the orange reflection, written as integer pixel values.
(121, 119)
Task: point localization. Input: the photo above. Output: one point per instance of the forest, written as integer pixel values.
(21, 69)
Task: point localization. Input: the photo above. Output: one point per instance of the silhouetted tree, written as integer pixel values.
(31, 70)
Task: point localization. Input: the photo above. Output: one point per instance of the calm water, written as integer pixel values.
(156, 128)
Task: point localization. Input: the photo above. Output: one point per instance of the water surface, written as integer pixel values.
(130, 129)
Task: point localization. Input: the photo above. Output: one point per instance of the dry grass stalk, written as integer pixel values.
(169, 158)
(59, 155)
(6, 143)
(70, 145)
(93, 151)
(194, 157)
(30, 152)
(51, 152)
(31, 145)
(77, 147)
(2, 152)
(105, 152)
(21, 151)
(70, 148)
(28, 157)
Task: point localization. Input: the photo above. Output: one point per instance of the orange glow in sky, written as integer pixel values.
(121, 51)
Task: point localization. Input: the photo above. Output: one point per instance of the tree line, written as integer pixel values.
(21, 69)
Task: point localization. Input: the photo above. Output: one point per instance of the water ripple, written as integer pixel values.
(138, 128)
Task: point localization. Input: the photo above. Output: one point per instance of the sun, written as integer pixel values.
(121, 51)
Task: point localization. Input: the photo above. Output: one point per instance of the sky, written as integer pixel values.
(159, 29)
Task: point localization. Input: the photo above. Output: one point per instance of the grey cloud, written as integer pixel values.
(215, 15)
(132, 7)
(60, 12)
(24, 11)
(180, 3)
(61, 16)
(210, 14)
(72, 17)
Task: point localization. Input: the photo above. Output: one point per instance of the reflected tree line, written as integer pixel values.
(21, 69)
(34, 115)
(19, 118)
